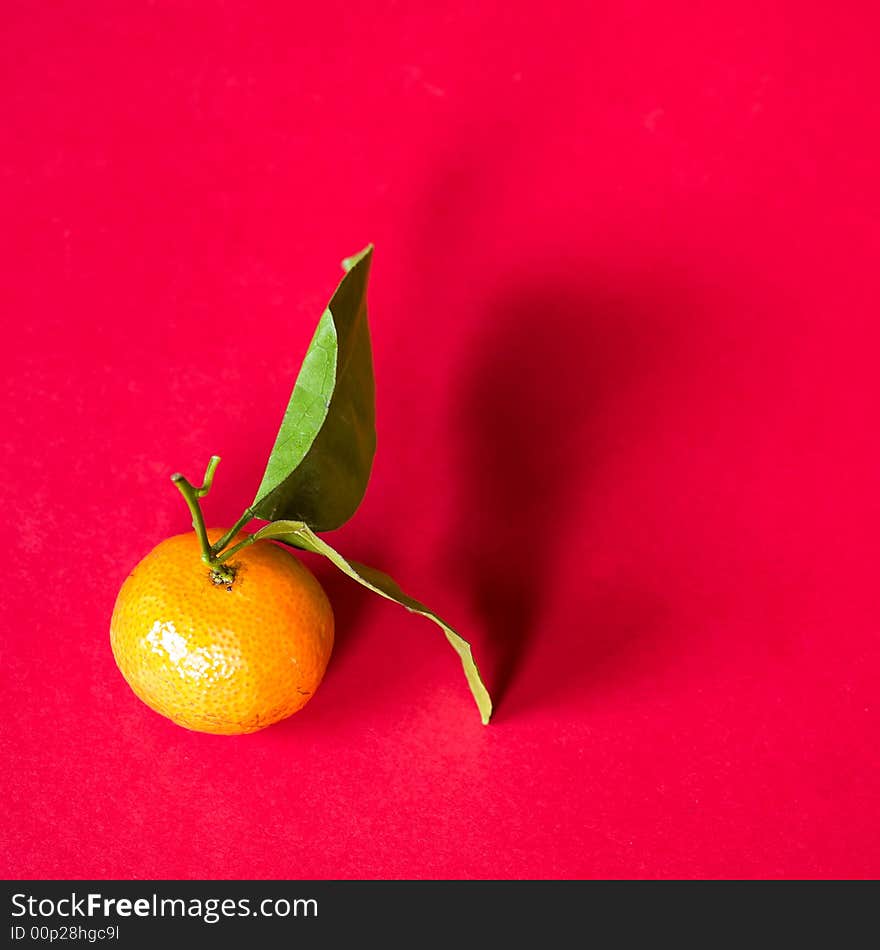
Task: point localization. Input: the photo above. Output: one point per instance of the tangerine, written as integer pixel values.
(226, 658)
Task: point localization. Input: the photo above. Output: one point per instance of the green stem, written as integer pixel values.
(208, 480)
(218, 546)
(191, 496)
(220, 558)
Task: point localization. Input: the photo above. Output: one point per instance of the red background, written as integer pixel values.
(624, 307)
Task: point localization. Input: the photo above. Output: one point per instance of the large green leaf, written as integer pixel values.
(297, 534)
(321, 461)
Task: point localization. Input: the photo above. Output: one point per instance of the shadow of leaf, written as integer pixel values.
(534, 418)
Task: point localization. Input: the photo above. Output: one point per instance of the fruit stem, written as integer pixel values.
(191, 496)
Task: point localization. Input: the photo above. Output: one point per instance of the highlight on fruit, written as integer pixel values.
(228, 631)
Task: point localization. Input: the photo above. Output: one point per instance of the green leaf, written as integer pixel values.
(299, 535)
(321, 460)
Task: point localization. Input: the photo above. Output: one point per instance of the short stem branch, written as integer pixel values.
(220, 558)
(208, 480)
(233, 531)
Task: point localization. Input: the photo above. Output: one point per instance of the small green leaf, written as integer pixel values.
(321, 460)
(299, 535)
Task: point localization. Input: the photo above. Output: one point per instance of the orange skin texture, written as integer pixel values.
(217, 660)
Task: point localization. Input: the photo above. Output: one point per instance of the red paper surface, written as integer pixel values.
(625, 314)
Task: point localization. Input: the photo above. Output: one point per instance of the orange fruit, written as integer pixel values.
(225, 659)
